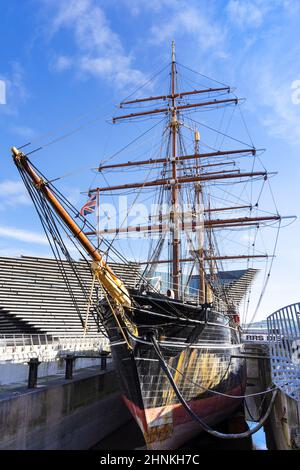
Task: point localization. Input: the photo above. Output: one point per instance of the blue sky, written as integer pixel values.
(62, 60)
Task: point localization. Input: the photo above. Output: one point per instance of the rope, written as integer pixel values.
(268, 276)
(201, 74)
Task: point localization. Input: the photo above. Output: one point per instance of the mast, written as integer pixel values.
(174, 178)
(98, 219)
(200, 232)
(175, 241)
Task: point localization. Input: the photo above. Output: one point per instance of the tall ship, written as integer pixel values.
(175, 336)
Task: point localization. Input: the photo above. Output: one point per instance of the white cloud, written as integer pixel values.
(100, 50)
(23, 235)
(137, 7)
(117, 67)
(246, 13)
(253, 13)
(191, 20)
(265, 71)
(29, 236)
(70, 10)
(282, 117)
(9, 187)
(13, 193)
(23, 131)
(62, 63)
(271, 80)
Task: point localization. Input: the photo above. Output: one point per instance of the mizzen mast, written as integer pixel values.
(200, 232)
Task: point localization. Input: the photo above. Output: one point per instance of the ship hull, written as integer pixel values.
(205, 364)
(182, 427)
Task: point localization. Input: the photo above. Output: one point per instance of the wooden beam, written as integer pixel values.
(178, 108)
(180, 180)
(208, 258)
(220, 209)
(175, 95)
(206, 166)
(151, 161)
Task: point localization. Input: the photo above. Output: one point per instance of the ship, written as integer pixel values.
(175, 337)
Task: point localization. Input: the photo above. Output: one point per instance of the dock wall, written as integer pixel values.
(282, 428)
(73, 414)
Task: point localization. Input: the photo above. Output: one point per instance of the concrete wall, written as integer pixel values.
(73, 414)
(284, 424)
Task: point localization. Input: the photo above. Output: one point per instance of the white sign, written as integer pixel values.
(257, 337)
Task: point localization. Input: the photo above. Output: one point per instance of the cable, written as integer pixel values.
(201, 74)
(219, 132)
(267, 277)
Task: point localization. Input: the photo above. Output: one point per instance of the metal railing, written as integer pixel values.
(21, 347)
(284, 346)
(70, 359)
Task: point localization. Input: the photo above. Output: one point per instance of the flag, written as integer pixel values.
(89, 206)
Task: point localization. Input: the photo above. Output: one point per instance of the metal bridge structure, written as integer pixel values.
(284, 347)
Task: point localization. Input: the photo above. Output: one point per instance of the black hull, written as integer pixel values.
(198, 354)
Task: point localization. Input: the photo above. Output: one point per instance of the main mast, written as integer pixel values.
(175, 241)
(176, 180)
